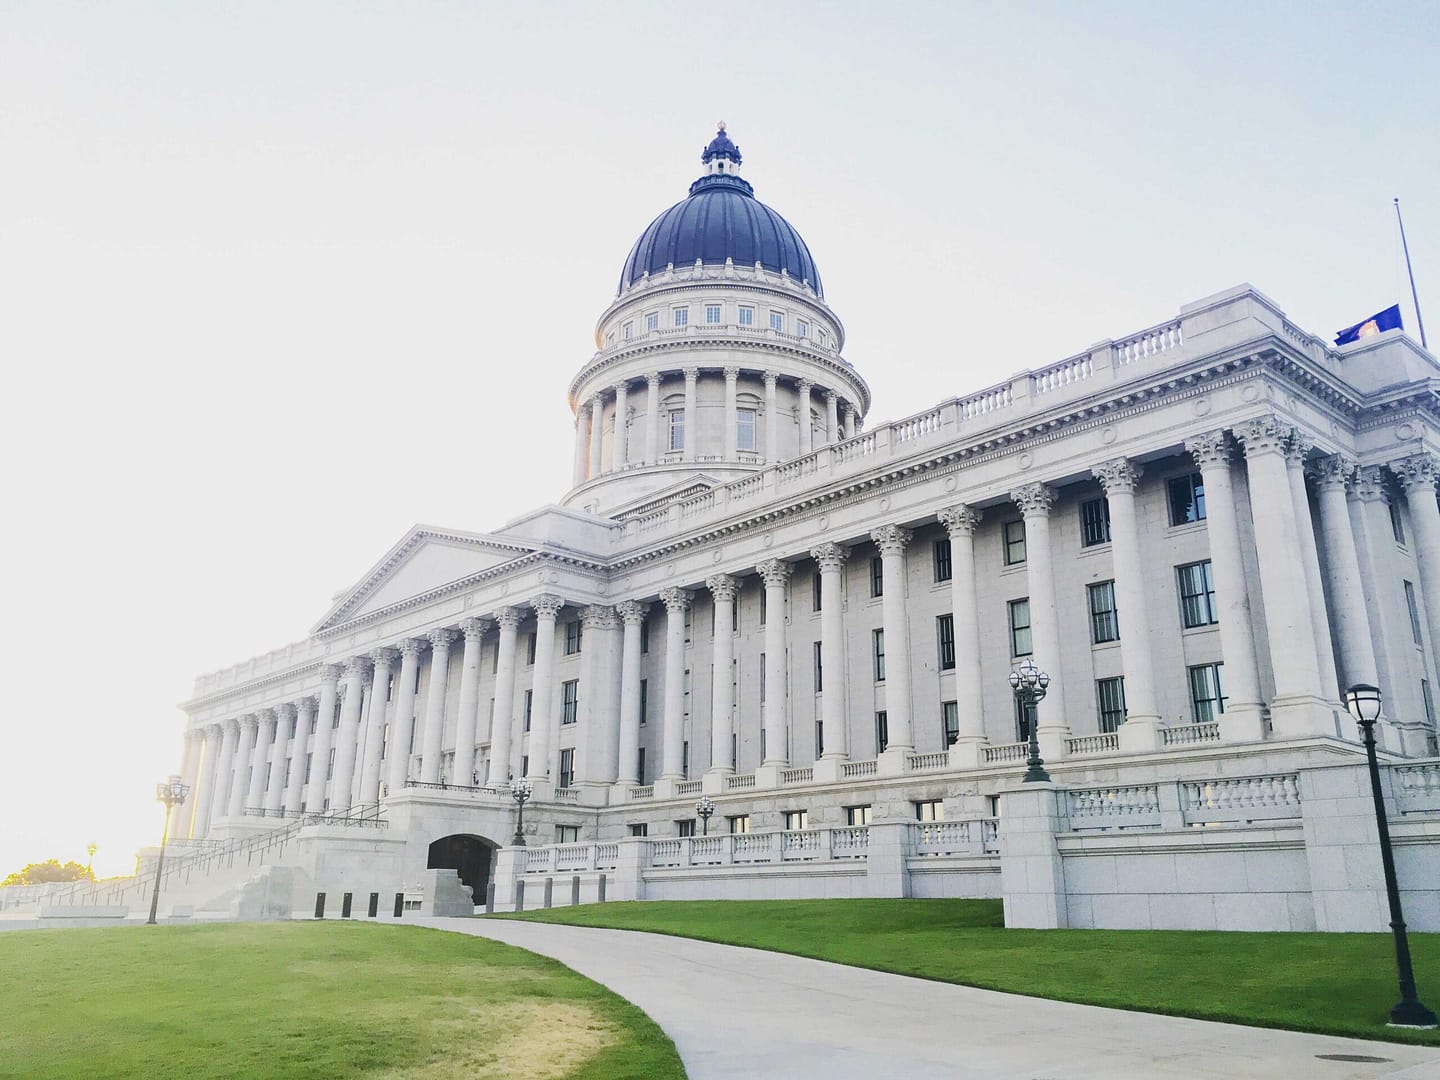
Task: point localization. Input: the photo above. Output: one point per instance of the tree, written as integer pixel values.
(50, 870)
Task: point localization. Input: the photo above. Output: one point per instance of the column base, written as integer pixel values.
(892, 761)
(593, 792)
(1412, 740)
(712, 781)
(768, 775)
(827, 769)
(620, 789)
(541, 791)
(665, 786)
(1298, 716)
(1140, 734)
(1242, 723)
(968, 752)
(1052, 742)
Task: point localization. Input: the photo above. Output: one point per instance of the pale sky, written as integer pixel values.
(279, 280)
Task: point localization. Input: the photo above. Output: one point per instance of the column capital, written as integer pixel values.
(803, 387)
(846, 409)
(285, 710)
(329, 674)
(652, 379)
(1368, 484)
(307, 703)
(510, 618)
(598, 617)
(1263, 435)
(722, 586)
(691, 374)
(1210, 449)
(1334, 471)
(356, 667)
(960, 520)
(215, 730)
(249, 722)
(474, 628)
(547, 605)
(1416, 473)
(441, 637)
(597, 400)
(1034, 500)
(1298, 447)
(830, 556)
(621, 387)
(231, 726)
(633, 612)
(675, 599)
(771, 378)
(732, 373)
(382, 658)
(265, 716)
(1117, 476)
(775, 571)
(831, 398)
(891, 539)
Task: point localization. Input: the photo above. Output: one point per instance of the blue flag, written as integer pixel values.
(1389, 319)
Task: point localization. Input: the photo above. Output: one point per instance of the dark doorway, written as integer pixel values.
(468, 854)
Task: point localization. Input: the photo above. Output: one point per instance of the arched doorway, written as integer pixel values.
(470, 855)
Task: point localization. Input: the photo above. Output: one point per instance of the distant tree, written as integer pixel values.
(39, 873)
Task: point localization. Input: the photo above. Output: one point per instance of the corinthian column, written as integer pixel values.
(1352, 622)
(214, 740)
(346, 736)
(723, 589)
(775, 574)
(264, 736)
(677, 602)
(1417, 476)
(652, 419)
(1141, 730)
(1242, 720)
(1372, 531)
(463, 773)
(892, 541)
(502, 717)
(832, 417)
(295, 790)
(732, 416)
(618, 449)
(1035, 502)
(597, 432)
(834, 724)
(402, 718)
(382, 661)
(229, 773)
(802, 408)
(582, 447)
(692, 435)
(324, 739)
(239, 744)
(632, 612)
(542, 720)
(960, 522)
(849, 414)
(434, 732)
(598, 719)
(772, 419)
(1297, 449)
(275, 785)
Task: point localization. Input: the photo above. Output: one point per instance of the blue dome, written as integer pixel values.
(721, 220)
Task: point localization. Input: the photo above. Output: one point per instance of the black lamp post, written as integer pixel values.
(1029, 684)
(520, 791)
(1363, 701)
(172, 793)
(705, 808)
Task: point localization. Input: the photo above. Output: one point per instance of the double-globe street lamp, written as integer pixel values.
(1363, 701)
(1029, 684)
(705, 808)
(172, 793)
(520, 791)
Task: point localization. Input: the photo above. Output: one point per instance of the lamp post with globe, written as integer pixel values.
(520, 791)
(705, 808)
(172, 793)
(1029, 684)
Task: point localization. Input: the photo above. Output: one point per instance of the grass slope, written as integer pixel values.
(1340, 984)
(307, 1000)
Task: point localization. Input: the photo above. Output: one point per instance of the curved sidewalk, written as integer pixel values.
(746, 1014)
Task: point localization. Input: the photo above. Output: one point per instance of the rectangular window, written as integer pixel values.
(942, 560)
(1414, 605)
(685, 827)
(682, 316)
(567, 767)
(796, 820)
(644, 700)
(745, 429)
(764, 604)
(308, 759)
(1207, 692)
(567, 834)
(1197, 595)
(878, 644)
(1013, 535)
(1094, 522)
(645, 637)
(762, 687)
(640, 828)
(945, 630)
(1187, 499)
(735, 615)
(330, 765)
(1024, 720)
(930, 810)
(569, 701)
(819, 738)
(640, 765)
(628, 330)
(819, 669)
(802, 328)
(1104, 622)
(1110, 697)
(747, 315)
(1397, 526)
(777, 320)
(572, 637)
(712, 314)
(530, 644)
(1424, 697)
(677, 429)
(950, 717)
(739, 823)
(877, 576)
(529, 698)
(685, 759)
(816, 591)
(882, 731)
(857, 815)
(1020, 627)
(652, 320)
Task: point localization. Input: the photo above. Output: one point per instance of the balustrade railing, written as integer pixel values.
(1190, 734)
(1092, 744)
(976, 836)
(567, 794)
(642, 791)
(1005, 752)
(940, 759)
(1147, 343)
(461, 789)
(740, 782)
(1241, 800)
(797, 776)
(853, 770)
(607, 856)
(1417, 787)
(1130, 806)
(1058, 376)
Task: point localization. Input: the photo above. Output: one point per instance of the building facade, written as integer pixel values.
(1202, 531)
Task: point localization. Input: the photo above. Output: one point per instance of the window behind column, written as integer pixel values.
(1012, 534)
(1019, 614)
(1187, 499)
(644, 700)
(1197, 594)
(529, 700)
(1110, 699)
(745, 429)
(1207, 692)
(882, 731)
(819, 668)
(677, 429)
(950, 717)
(877, 576)
(573, 631)
(567, 767)
(877, 644)
(942, 560)
(1094, 522)
(1104, 622)
(569, 701)
(945, 632)
(1024, 719)
(1413, 603)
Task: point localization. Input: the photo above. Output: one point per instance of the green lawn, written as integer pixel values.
(308, 1000)
(1336, 983)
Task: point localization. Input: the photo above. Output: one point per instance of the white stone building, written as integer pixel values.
(1202, 530)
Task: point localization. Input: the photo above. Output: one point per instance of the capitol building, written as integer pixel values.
(755, 592)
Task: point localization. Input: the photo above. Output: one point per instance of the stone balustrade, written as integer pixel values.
(979, 836)
(928, 762)
(1417, 787)
(1184, 803)
(1103, 743)
(1003, 753)
(1190, 734)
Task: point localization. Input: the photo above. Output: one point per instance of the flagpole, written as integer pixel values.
(1414, 296)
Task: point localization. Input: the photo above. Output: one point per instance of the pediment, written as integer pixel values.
(425, 560)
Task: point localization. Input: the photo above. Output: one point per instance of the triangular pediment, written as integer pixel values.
(426, 559)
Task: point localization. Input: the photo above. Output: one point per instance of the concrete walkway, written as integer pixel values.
(752, 1015)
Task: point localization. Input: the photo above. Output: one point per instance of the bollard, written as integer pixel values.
(345, 905)
(520, 895)
(319, 905)
(490, 899)
(575, 890)
(374, 904)
(399, 904)
(600, 897)
(549, 890)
